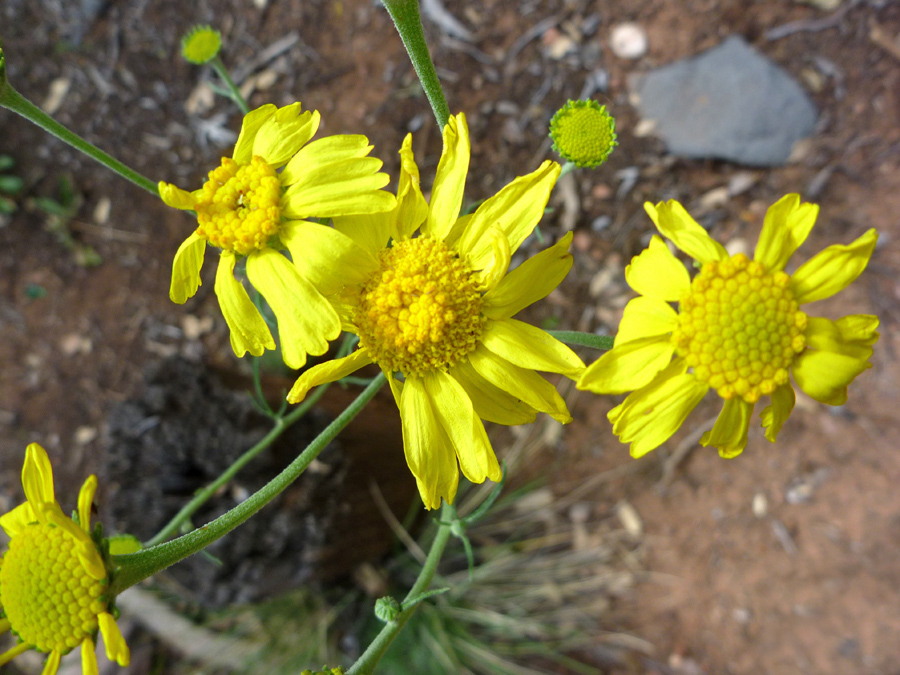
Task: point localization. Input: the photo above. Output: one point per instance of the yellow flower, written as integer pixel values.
(434, 312)
(53, 579)
(583, 132)
(738, 329)
(248, 208)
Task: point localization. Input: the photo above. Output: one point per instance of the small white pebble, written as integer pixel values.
(760, 505)
(628, 41)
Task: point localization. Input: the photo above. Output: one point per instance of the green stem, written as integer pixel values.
(136, 567)
(13, 100)
(281, 425)
(405, 14)
(573, 337)
(365, 664)
(235, 93)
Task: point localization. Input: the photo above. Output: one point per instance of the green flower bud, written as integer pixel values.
(583, 133)
(201, 44)
(387, 609)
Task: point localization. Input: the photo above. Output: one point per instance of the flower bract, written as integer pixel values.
(429, 296)
(53, 580)
(258, 202)
(739, 329)
(583, 132)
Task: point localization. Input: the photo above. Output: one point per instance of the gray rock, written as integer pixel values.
(729, 102)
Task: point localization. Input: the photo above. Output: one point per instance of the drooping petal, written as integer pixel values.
(854, 341)
(516, 210)
(282, 135)
(628, 367)
(529, 282)
(412, 209)
(498, 264)
(326, 150)
(370, 231)
(787, 225)
(88, 657)
(338, 189)
(776, 414)
(454, 411)
(656, 273)
(306, 320)
(13, 652)
(37, 476)
(676, 224)
(51, 665)
(645, 317)
(329, 371)
(249, 332)
(525, 384)
(649, 416)
(528, 347)
(85, 501)
(18, 519)
(832, 270)
(327, 258)
(729, 433)
(253, 120)
(186, 269)
(450, 179)
(490, 402)
(175, 197)
(859, 328)
(116, 648)
(429, 452)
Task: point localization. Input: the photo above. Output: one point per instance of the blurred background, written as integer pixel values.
(784, 560)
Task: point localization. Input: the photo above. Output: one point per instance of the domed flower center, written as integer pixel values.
(421, 311)
(240, 206)
(739, 328)
(49, 598)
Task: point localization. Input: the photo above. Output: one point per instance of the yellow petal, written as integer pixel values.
(249, 332)
(186, 268)
(524, 384)
(253, 120)
(528, 347)
(646, 317)
(658, 274)
(859, 328)
(497, 265)
(529, 282)
(826, 335)
(306, 320)
(515, 210)
(787, 225)
(284, 133)
(330, 260)
(429, 452)
(88, 657)
(729, 433)
(395, 385)
(329, 371)
(339, 189)
(326, 150)
(85, 500)
(450, 179)
(676, 224)
(649, 416)
(18, 519)
(412, 209)
(833, 269)
(491, 403)
(116, 649)
(775, 415)
(176, 197)
(370, 231)
(628, 367)
(454, 411)
(51, 665)
(37, 476)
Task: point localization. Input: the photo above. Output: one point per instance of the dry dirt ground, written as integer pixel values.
(782, 561)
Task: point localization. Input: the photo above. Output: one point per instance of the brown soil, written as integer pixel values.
(806, 582)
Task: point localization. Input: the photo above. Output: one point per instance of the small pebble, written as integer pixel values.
(628, 41)
(630, 519)
(760, 505)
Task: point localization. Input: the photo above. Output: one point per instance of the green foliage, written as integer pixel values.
(60, 210)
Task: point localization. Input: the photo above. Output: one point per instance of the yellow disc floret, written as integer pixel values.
(421, 310)
(50, 599)
(239, 206)
(739, 328)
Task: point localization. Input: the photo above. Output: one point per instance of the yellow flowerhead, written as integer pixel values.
(53, 580)
(248, 208)
(739, 329)
(583, 133)
(201, 44)
(434, 312)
